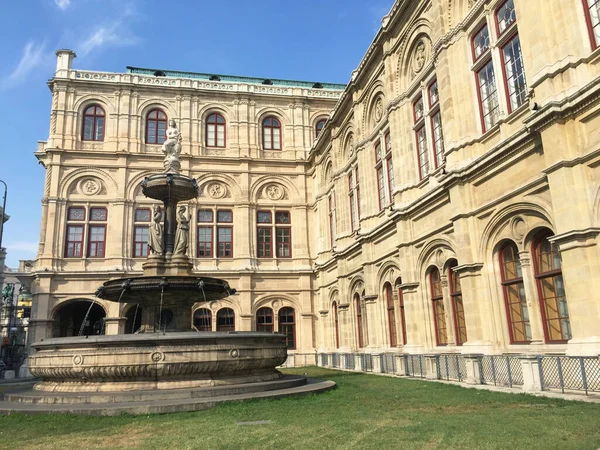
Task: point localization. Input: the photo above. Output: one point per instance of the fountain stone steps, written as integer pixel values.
(163, 404)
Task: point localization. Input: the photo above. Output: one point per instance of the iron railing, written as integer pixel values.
(502, 370)
(388, 363)
(569, 373)
(414, 365)
(451, 367)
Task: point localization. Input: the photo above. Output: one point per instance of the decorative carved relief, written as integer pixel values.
(378, 110)
(274, 191)
(89, 186)
(419, 57)
(214, 189)
(518, 228)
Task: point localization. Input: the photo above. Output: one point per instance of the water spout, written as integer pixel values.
(134, 317)
(86, 316)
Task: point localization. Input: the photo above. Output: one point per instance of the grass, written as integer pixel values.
(366, 411)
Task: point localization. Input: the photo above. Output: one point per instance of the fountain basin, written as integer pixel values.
(155, 361)
(172, 186)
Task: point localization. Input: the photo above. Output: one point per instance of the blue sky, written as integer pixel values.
(314, 40)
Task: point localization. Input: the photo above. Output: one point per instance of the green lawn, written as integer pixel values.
(365, 411)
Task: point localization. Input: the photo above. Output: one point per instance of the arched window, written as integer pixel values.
(389, 297)
(225, 319)
(287, 326)
(458, 309)
(439, 312)
(264, 320)
(402, 312)
(551, 289)
(156, 127)
(359, 321)
(334, 309)
(271, 134)
(514, 294)
(215, 130)
(319, 126)
(93, 124)
(203, 319)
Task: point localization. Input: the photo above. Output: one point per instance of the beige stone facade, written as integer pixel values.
(449, 205)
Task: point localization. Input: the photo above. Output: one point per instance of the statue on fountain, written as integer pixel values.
(182, 235)
(155, 234)
(172, 148)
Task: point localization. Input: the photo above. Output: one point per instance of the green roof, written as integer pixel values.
(234, 79)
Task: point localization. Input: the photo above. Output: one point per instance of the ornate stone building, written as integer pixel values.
(445, 201)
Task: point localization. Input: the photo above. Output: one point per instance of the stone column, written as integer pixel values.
(431, 367)
(373, 331)
(531, 374)
(473, 375)
(533, 304)
(413, 312)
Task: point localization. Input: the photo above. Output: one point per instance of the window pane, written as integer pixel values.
(88, 123)
(418, 109)
(99, 134)
(225, 216)
(506, 16)
(264, 217)
(438, 139)
(203, 319)
(140, 248)
(142, 215)
(283, 242)
(488, 95)
(381, 187)
(422, 152)
(96, 241)
(210, 135)
(276, 139)
(515, 74)
(264, 242)
(205, 215)
(162, 128)
(151, 137)
(434, 96)
(76, 214)
(282, 217)
(225, 240)
(98, 214)
(205, 242)
(594, 9)
(220, 135)
(267, 139)
(481, 42)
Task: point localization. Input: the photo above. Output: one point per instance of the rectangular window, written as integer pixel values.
(264, 242)
(205, 216)
(506, 16)
(390, 167)
(284, 242)
(332, 230)
(422, 152)
(438, 139)
(225, 242)
(224, 216)
(593, 20)
(140, 241)
(205, 242)
(514, 73)
(381, 187)
(351, 197)
(96, 241)
(142, 215)
(76, 213)
(488, 96)
(357, 190)
(74, 245)
(264, 217)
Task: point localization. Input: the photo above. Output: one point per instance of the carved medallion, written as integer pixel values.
(89, 186)
(518, 228)
(78, 360)
(274, 192)
(157, 356)
(419, 57)
(216, 190)
(234, 353)
(378, 113)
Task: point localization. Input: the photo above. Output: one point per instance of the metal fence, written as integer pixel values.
(388, 363)
(414, 365)
(335, 360)
(350, 361)
(451, 367)
(575, 373)
(503, 370)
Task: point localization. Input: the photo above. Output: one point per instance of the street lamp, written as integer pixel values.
(3, 212)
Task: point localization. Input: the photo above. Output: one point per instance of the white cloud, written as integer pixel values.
(63, 4)
(114, 34)
(33, 56)
(23, 246)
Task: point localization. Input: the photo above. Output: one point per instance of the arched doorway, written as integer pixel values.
(69, 319)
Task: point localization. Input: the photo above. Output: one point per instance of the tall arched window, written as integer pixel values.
(287, 326)
(215, 130)
(334, 309)
(93, 124)
(439, 312)
(203, 319)
(271, 128)
(319, 126)
(156, 127)
(402, 312)
(458, 309)
(551, 289)
(359, 321)
(391, 312)
(264, 320)
(514, 294)
(225, 319)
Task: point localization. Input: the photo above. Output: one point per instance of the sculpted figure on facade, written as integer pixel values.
(172, 148)
(156, 232)
(182, 235)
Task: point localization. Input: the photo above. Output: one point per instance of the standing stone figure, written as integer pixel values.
(182, 235)
(172, 148)
(155, 235)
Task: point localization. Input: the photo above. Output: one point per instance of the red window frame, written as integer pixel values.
(72, 208)
(265, 320)
(357, 190)
(483, 61)
(332, 224)
(224, 246)
(507, 284)
(282, 246)
(390, 167)
(391, 313)
(380, 175)
(319, 127)
(140, 246)
(421, 144)
(402, 312)
(72, 250)
(205, 247)
(97, 116)
(270, 124)
(458, 311)
(213, 121)
(334, 308)
(510, 41)
(158, 120)
(226, 315)
(497, 19)
(541, 278)
(359, 322)
(265, 242)
(287, 327)
(588, 20)
(96, 248)
(204, 325)
(439, 310)
(434, 111)
(353, 217)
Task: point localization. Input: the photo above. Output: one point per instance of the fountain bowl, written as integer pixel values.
(156, 361)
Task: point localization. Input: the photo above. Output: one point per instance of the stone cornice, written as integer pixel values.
(576, 238)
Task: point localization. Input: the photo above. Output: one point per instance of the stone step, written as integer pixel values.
(163, 405)
(52, 398)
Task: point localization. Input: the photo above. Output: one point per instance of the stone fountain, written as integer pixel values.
(166, 365)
